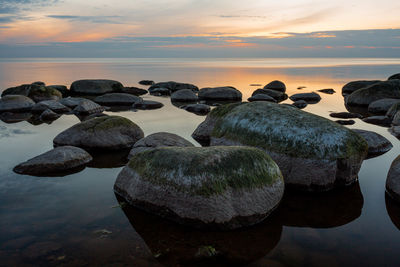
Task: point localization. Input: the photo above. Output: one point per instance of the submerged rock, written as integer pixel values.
(300, 104)
(148, 104)
(313, 153)
(220, 93)
(276, 86)
(184, 95)
(134, 91)
(378, 120)
(52, 105)
(382, 106)
(15, 103)
(393, 180)
(356, 85)
(95, 87)
(57, 160)
(377, 144)
(86, 107)
(118, 99)
(278, 96)
(395, 77)
(172, 87)
(146, 82)
(161, 139)
(345, 115)
(49, 115)
(103, 133)
(308, 97)
(198, 109)
(261, 97)
(329, 91)
(376, 91)
(212, 187)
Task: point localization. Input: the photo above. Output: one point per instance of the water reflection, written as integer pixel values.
(109, 159)
(393, 209)
(176, 245)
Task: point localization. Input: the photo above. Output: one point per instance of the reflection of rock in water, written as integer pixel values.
(321, 210)
(9, 117)
(177, 245)
(109, 159)
(393, 209)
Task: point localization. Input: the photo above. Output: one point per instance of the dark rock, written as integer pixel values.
(295, 139)
(382, 106)
(71, 102)
(276, 86)
(146, 82)
(52, 105)
(378, 120)
(86, 107)
(356, 85)
(57, 160)
(329, 91)
(148, 104)
(198, 109)
(10, 117)
(39, 83)
(255, 84)
(172, 87)
(301, 87)
(261, 97)
(36, 92)
(161, 139)
(278, 96)
(49, 115)
(395, 77)
(117, 99)
(91, 116)
(345, 115)
(16, 103)
(393, 180)
(102, 133)
(95, 87)
(345, 122)
(308, 97)
(134, 91)
(184, 95)
(377, 144)
(232, 194)
(377, 91)
(220, 93)
(396, 119)
(300, 104)
(393, 110)
(395, 131)
(62, 89)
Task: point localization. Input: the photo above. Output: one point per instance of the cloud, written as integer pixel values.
(16, 6)
(92, 19)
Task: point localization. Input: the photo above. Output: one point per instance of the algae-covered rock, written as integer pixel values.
(313, 153)
(15, 103)
(103, 133)
(393, 180)
(95, 87)
(223, 187)
(36, 92)
(376, 91)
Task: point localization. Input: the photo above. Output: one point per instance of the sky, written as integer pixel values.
(199, 28)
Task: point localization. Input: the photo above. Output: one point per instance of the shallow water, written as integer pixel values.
(76, 220)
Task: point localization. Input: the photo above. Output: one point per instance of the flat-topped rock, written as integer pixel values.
(101, 133)
(355, 85)
(198, 109)
(134, 91)
(345, 115)
(57, 160)
(276, 86)
(376, 91)
(393, 180)
(382, 106)
(86, 107)
(377, 144)
(328, 91)
(71, 102)
(173, 86)
(220, 93)
(261, 97)
(117, 99)
(345, 122)
(278, 96)
(16, 103)
(95, 87)
(184, 95)
(308, 97)
(161, 139)
(53, 105)
(146, 82)
(313, 153)
(148, 104)
(378, 120)
(216, 187)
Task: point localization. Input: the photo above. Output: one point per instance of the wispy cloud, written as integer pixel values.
(92, 19)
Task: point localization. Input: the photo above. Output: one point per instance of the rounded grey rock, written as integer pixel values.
(356, 85)
(86, 107)
(117, 99)
(308, 97)
(198, 109)
(184, 95)
(220, 93)
(377, 144)
(53, 105)
(276, 86)
(148, 104)
(382, 106)
(49, 115)
(376, 91)
(16, 103)
(95, 87)
(393, 180)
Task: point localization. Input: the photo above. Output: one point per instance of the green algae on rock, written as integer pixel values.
(108, 133)
(225, 187)
(313, 153)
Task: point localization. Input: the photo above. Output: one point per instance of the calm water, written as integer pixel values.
(77, 220)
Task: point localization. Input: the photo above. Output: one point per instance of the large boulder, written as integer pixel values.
(184, 95)
(377, 91)
(173, 86)
(16, 103)
(95, 87)
(355, 85)
(53, 105)
(382, 106)
(314, 153)
(34, 91)
(57, 160)
(395, 77)
(102, 133)
(220, 93)
(160, 139)
(276, 86)
(117, 99)
(222, 187)
(377, 144)
(393, 180)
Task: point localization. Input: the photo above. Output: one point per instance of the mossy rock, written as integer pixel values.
(227, 187)
(101, 133)
(36, 92)
(313, 152)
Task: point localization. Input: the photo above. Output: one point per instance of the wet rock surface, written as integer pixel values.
(308, 97)
(378, 120)
(345, 115)
(356, 85)
(278, 96)
(382, 106)
(171, 87)
(52, 105)
(261, 97)
(377, 144)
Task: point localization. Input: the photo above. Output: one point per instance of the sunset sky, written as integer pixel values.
(199, 28)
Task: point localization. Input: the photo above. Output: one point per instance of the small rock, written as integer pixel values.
(261, 97)
(87, 107)
(301, 87)
(62, 89)
(173, 86)
(300, 104)
(146, 82)
(52, 105)
(377, 144)
(278, 96)
(345, 122)
(95, 87)
(378, 120)
(382, 106)
(198, 109)
(148, 104)
(276, 86)
(255, 84)
(160, 91)
(220, 93)
(117, 99)
(134, 91)
(308, 97)
(345, 115)
(49, 115)
(184, 95)
(329, 91)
